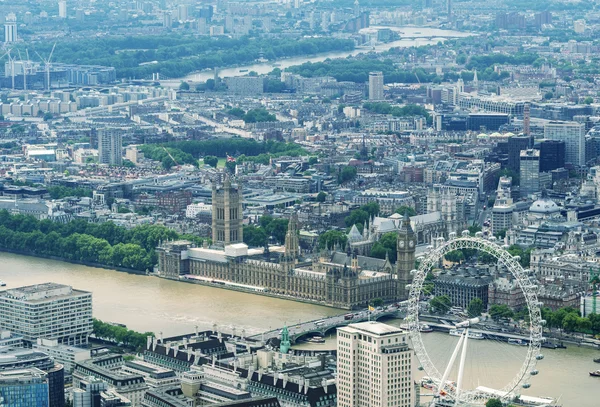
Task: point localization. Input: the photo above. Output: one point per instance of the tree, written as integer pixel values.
(548, 95)
(321, 196)
(332, 237)
(440, 304)
(211, 160)
(184, 86)
(386, 245)
(313, 160)
(255, 236)
(347, 173)
(474, 229)
(357, 217)
(570, 322)
(230, 165)
(475, 307)
(237, 112)
(588, 100)
(48, 116)
(377, 302)
(455, 256)
(493, 403)
(500, 311)
(406, 209)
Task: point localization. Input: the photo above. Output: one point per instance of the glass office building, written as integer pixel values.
(24, 388)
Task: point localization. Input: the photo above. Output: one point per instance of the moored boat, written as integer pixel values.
(518, 342)
(471, 335)
(595, 374)
(597, 360)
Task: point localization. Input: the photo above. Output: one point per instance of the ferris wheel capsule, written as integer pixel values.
(526, 385)
(540, 357)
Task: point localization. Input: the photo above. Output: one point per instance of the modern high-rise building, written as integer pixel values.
(573, 134)
(19, 358)
(24, 387)
(227, 213)
(10, 28)
(374, 366)
(50, 311)
(110, 147)
(530, 172)
(167, 19)
(552, 154)
(62, 9)
(515, 146)
(376, 86)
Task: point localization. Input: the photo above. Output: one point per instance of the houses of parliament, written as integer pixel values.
(334, 278)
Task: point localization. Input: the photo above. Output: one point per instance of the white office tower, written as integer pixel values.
(374, 366)
(110, 147)
(62, 9)
(375, 85)
(50, 311)
(10, 28)
(573, 134)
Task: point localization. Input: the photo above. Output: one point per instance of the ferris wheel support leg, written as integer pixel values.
(449, 367)
(461, 366)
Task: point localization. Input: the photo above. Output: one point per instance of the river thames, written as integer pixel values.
(152, 304)
(421, 35)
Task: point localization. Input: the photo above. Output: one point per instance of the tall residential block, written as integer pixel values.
(376, 86)
(110, 147)
(62, 9)
(49, 311)
(573, 135)
(10, 28)
(227, 213)
(374, 366)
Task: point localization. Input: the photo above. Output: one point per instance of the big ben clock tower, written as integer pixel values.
(406, 257)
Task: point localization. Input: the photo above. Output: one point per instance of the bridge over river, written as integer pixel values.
(323, 327)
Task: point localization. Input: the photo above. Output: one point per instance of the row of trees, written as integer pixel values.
(78, 240)
(178, 55)
(397, 111)
(120, 334)
(570, 320)
(167, 156)
(357, 70)
(60, 191)
(459, 256)
(253, 115)
(188, 152)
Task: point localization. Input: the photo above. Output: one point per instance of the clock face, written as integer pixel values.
(401, 243)
(411, 243)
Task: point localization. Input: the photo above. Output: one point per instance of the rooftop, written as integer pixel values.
(373, 327)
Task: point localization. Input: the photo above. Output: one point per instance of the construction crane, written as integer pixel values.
(47, 65)
(418, 78)
(169, 154)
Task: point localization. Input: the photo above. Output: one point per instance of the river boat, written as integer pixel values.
(316, 339)
(517, 342)
(425, 328)
(2, 283)
(471, 335)
(243, 70)
(597, 360)
(595, 374)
